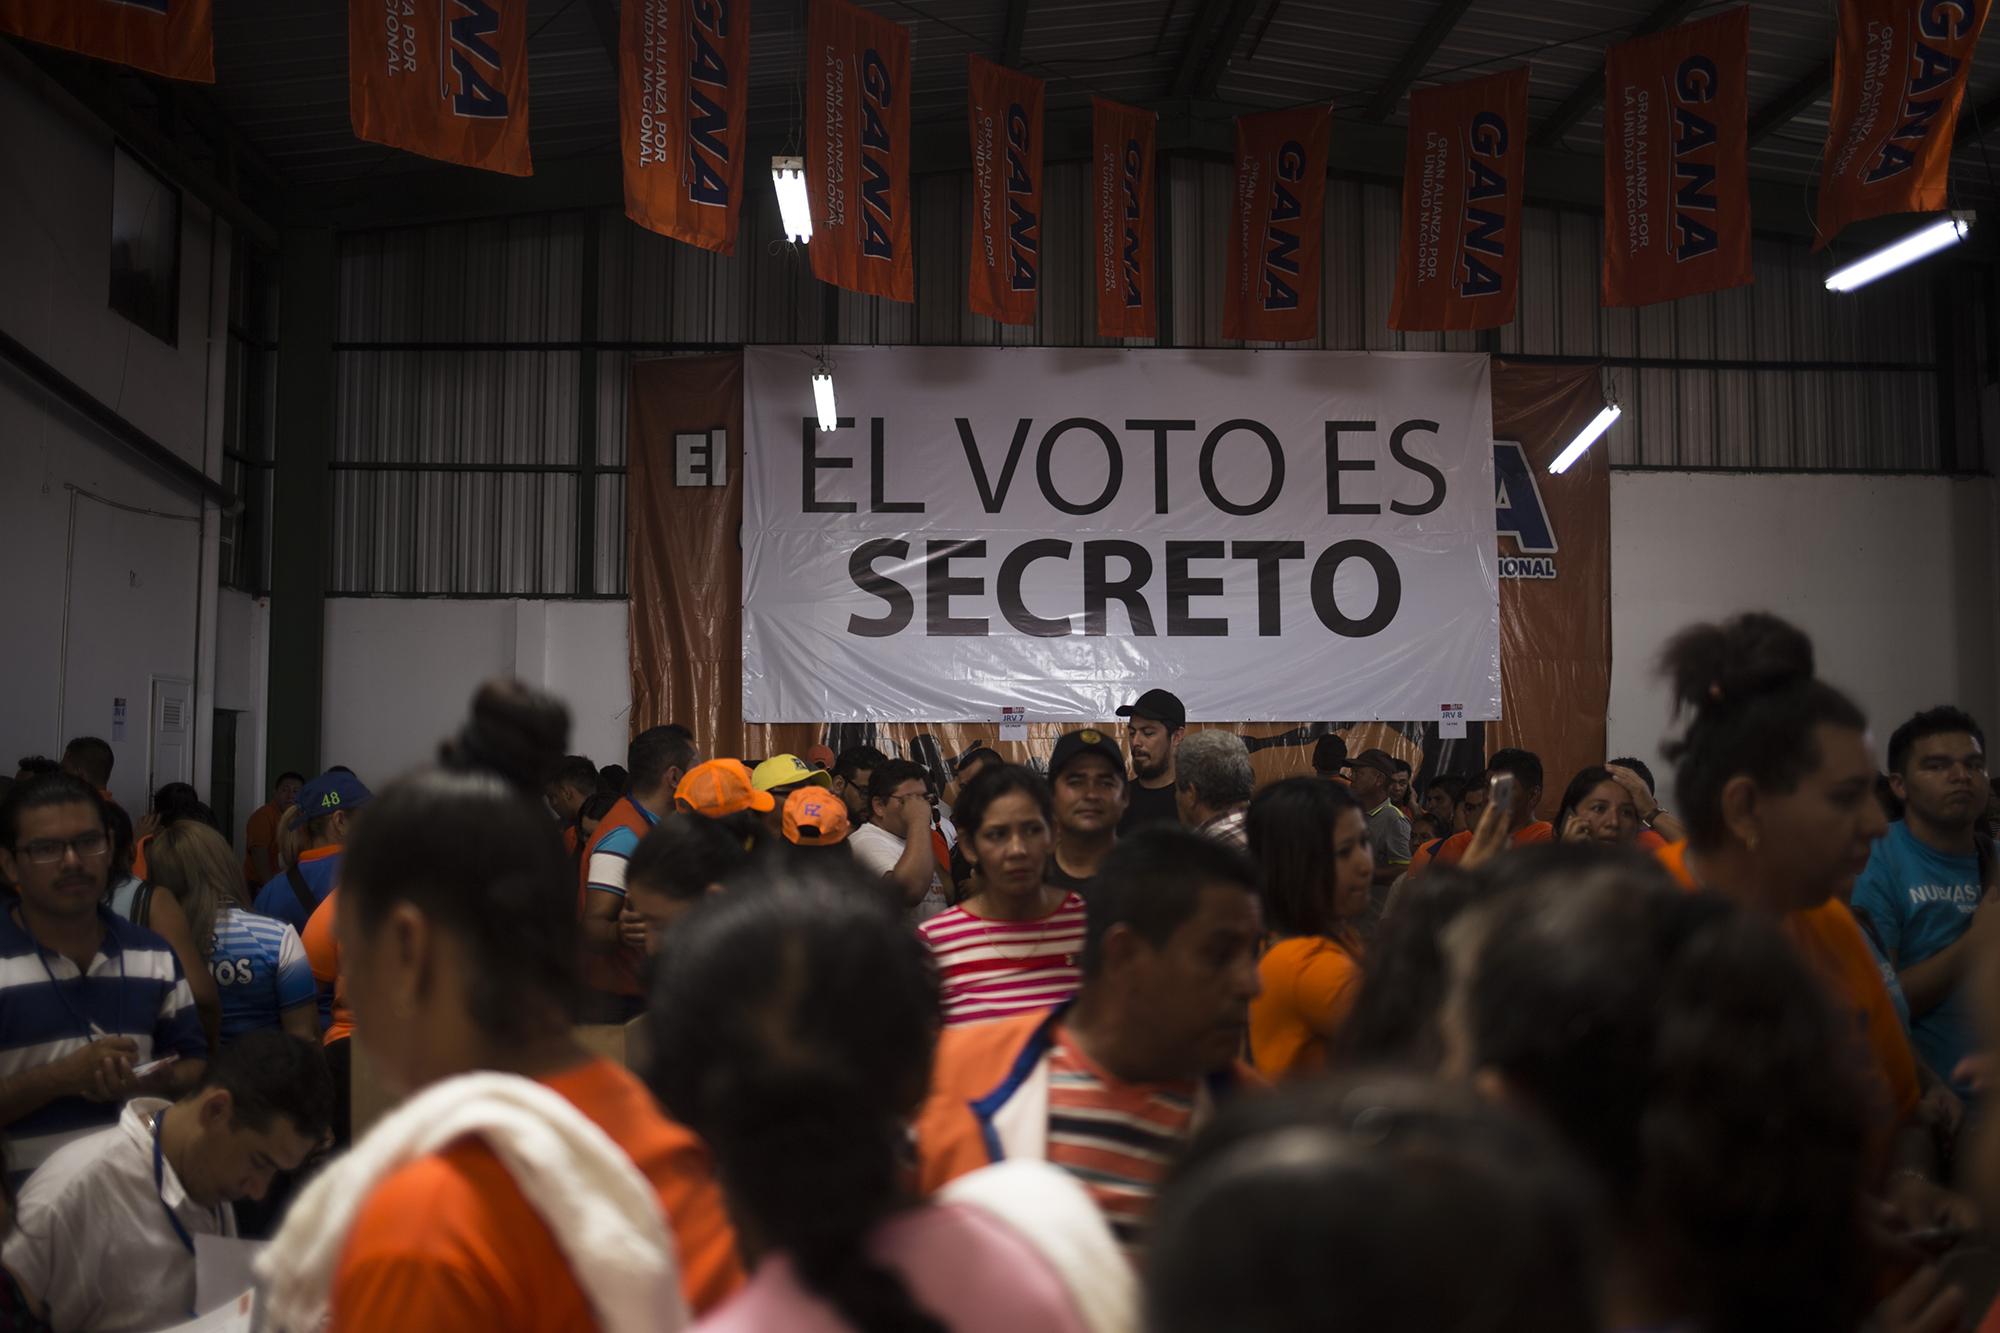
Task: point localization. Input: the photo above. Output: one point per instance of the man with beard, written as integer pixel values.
(1087, 777)
(97, 1010)
(1155, 723)
(1927, 894)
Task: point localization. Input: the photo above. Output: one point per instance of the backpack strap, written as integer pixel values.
(300, 889)
(142, 904)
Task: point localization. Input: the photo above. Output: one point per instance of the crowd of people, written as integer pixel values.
(1125, 1041)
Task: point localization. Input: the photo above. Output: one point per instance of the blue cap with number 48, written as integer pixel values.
(330, 793)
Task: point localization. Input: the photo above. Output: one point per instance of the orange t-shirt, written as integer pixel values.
(1310, 983)
(1649, 841)
(1454, 846)
(261, 831)
(323, 956)
(1832, 945)
(449, 1244)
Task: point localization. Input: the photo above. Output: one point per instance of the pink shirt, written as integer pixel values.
(969, 1270)
(991, 969)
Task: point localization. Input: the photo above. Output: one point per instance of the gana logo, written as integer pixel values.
(1695, 165)
(471, 53)
(1520, 514)
(1024, 232)
(1484, 232)
(1926, 83)
(877, 96)
(708, 116)
(1281, 243)
(1135, 169)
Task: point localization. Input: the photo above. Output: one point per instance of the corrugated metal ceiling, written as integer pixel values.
(282, 65)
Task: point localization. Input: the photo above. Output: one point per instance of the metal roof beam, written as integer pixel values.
(1779, 112)
(1413, 61)
(1189, 68)
(1015, 36)
(1591, 91)
(1224, 46)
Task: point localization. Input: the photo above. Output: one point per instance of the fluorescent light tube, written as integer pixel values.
(789, 175)
(1585, 438)
(829, 416)
(1940, 235)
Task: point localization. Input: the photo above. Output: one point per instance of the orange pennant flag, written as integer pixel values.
(683, 105)
(1276, 226)
(858, 150)
(1899, 70)
(174, 38)
(1460, 262)
(1006, 108)
(448, 80)
(1123, 194)
(1677, 162)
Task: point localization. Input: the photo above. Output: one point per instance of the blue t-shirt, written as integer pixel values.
(260, 969)
(1916, 901)
(277, 900)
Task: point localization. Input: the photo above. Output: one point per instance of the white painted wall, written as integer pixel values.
(137, 598)
(399, 673)
(242, 684)
(1897, 579)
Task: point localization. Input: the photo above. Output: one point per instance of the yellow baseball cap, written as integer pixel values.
(787, 770)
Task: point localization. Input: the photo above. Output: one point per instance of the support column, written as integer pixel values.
(301, 497)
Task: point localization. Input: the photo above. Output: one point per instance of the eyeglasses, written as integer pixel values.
(48, 851)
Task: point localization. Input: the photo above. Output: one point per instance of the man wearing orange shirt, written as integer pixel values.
(260, 836)
(329, 805)
(1525, 828)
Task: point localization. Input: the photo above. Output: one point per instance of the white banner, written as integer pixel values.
(1271, 535)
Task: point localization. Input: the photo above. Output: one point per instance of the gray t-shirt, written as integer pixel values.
(1389, 835)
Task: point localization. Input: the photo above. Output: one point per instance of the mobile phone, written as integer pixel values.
(1500, 791)
(153, 1066)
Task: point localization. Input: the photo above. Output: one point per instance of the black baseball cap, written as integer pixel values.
(1379, 760)
(1087, 741)
(1157, 706)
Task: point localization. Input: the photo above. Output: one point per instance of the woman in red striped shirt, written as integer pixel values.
(1015, 944)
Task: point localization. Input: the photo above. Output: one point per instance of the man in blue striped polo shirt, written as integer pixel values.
(89, 1002)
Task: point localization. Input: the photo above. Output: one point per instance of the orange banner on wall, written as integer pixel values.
(1276, 226)
(1677, 162)
(1899, 69)
(858, 150)
(1460, 262)
(1123, 197)
(449, 83)
(175, 38)
(1006, 111)
(683, 106)
(686, 623)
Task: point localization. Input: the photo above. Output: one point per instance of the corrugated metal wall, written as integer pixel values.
(463, 351)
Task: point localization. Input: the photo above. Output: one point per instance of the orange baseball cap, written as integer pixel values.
(815, 817)
(721, 787)
(820, 756)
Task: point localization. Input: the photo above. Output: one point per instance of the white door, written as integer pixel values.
(171, 748)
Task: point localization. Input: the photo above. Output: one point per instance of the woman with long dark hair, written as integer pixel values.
(1016, 942)
(522, 1187)
(1596, 807)
(1309, 838)
(793, 1028)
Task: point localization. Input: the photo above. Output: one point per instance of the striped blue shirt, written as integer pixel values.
(260, 968)
(133, 988)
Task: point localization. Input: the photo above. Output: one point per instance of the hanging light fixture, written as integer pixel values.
(788, 174)
(822, 382)
(1942, 234)
(1589, 435)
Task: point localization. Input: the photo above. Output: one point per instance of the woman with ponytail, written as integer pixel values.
(1680, 1049)
(1777, 787)
(524, 1187)
(793, 1028)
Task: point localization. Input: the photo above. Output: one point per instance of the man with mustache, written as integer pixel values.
(1928, 892)
(94, 1005)
(1087, 779)
(1155, 723)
